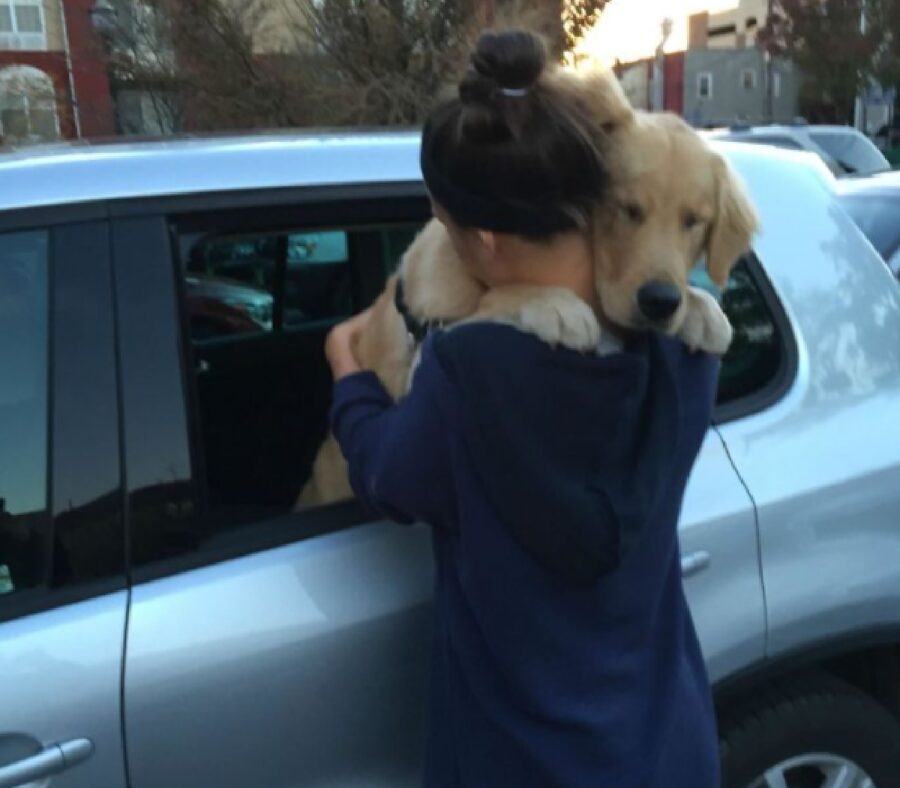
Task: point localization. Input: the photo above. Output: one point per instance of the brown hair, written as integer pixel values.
(514, 151)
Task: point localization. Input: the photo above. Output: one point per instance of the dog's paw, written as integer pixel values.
(705, 326)
(554, 315)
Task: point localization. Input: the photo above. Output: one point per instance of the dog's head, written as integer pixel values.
(673, 201)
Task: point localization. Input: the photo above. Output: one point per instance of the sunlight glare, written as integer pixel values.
(631, 29)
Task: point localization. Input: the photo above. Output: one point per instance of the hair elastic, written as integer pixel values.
(513, 91)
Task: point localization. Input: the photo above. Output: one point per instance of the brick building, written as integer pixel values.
(53, 77)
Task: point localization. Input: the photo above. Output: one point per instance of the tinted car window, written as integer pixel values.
(395, 242)
(261, 382)
(236, 285)
(23, 408)
(756, 354)
(853, 152)
(878, 216)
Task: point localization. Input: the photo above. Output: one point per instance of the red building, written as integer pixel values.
(53, 76)
(638, 82)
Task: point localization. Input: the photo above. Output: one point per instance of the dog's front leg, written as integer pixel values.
(553, 314)
(705, 326)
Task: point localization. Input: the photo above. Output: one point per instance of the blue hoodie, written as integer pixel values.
(564, 652)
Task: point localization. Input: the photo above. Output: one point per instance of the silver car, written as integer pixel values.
(166, 620)
(845, 150)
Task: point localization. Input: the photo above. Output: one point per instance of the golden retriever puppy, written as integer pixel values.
(672, 201)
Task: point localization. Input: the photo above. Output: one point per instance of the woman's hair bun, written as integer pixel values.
(512, 59)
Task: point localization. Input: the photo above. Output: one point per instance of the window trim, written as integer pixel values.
(708, 76)
(44, 598)
(10, 37)
(753, 79)
(32, 104)
(783, 380)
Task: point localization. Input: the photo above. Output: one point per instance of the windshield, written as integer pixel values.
(878, 216)
(854, 152)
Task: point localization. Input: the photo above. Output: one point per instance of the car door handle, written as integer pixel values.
(52, 760)
(695, 562)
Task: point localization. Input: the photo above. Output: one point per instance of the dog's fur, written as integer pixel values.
(672, 200)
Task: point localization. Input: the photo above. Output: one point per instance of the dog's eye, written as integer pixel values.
(633, 211)
(691, 220)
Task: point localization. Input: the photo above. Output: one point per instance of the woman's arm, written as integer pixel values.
(397, 453)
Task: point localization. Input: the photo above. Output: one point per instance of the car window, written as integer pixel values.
(258, 308)
(756, 355)
(233, 283)
(259, 399)
(878, 216)
(23, 409)
(396, 241)
(853, 152)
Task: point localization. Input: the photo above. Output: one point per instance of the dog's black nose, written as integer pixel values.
(658, 300)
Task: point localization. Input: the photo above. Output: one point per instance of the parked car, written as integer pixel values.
(874, 204)
(218, 307)
(844, 149)
(167, 619)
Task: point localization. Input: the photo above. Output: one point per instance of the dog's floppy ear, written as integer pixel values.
(733, 225)
(605, 99)
(600, 95)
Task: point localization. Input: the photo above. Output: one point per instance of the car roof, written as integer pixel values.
(65, 174)
(789, 130)
(887, 183)
(75, 173)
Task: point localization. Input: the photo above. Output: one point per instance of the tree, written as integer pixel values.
(824, 39)
(195, 64)
(383, 61)
(578, 17)
(884, 16)
(202, 65)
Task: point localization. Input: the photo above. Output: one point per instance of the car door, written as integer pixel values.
(822, 464)
(62, 582)
(265, 647)
(718, 528)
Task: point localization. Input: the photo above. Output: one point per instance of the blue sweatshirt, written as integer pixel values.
(564, 652)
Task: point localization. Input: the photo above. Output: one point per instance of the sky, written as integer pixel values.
(631, 29)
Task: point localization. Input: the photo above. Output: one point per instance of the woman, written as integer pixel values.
(564, 652)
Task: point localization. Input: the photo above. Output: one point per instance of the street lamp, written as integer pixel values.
(658, 98)
(103, 18)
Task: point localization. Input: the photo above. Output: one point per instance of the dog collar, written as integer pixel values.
(417, 329)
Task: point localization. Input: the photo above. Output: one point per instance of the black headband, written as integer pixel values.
(486, 212)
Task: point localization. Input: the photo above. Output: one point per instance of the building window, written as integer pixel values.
(776, 85)
(704, 85)
(27, 105)
(22, 25)
(748, 79)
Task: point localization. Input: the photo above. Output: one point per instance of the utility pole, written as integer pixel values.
(769, 103)
(490, 12)
(658, 98)
(859, 105)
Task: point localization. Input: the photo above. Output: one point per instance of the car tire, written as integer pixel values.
(805, 726)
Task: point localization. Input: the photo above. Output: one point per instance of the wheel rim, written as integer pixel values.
(815, 770)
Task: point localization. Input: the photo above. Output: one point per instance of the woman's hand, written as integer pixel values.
(340, 344)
